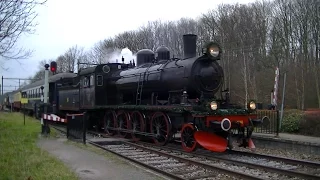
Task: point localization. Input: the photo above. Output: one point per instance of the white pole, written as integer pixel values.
(275, 91)
(46, 85)
(45, 100)
(283, 94)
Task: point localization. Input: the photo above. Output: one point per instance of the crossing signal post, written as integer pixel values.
(45, 127)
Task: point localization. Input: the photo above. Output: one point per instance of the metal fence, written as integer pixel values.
(76, 127)
(273, 127)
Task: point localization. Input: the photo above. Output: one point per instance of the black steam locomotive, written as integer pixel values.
(159, 97)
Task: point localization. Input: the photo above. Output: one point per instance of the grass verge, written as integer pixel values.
(20, 158)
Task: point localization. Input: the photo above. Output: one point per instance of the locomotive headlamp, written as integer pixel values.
(252, 105)
(213, 50)
(214, 105)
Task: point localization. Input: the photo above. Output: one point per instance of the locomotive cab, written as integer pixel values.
(96, 85)
(66, 93)
(88, 87)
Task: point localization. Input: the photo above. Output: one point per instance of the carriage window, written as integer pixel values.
(92, 80)
(99, 80)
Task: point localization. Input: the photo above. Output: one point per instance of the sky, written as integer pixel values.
(65, 23)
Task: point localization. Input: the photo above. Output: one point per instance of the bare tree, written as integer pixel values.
(16, 17)
(40, 73)
(97, 53)
(315, 26)
(255, 38)
(68, 61)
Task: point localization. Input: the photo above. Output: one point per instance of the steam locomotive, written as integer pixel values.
(157, 98)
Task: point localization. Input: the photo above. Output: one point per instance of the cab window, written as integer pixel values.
(99, 80)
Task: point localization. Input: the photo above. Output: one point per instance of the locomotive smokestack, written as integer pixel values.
(189, 45)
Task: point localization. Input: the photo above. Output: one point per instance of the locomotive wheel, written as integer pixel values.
(123, 121)
(137, 124)
(188, 142)
(110, 122)
(160, 126)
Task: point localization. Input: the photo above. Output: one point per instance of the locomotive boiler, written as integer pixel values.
(165, 77)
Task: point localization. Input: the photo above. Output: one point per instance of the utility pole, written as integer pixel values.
(2, 85)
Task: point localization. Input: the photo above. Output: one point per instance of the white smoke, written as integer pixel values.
(116, 56)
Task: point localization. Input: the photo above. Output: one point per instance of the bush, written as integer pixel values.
(310, 124)
(291, 121)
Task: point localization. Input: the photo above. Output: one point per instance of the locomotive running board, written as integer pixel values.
(211, 141)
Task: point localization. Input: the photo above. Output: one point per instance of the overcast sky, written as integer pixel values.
(64, 23)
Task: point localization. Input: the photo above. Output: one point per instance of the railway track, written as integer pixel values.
(266, 167)
(175, 163)
(170, 164)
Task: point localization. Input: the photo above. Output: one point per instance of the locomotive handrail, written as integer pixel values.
(179, 66)
(163, 65)
(161, 68)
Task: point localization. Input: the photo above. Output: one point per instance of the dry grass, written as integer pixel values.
(20, 158)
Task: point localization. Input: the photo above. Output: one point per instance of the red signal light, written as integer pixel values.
(53, 66)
